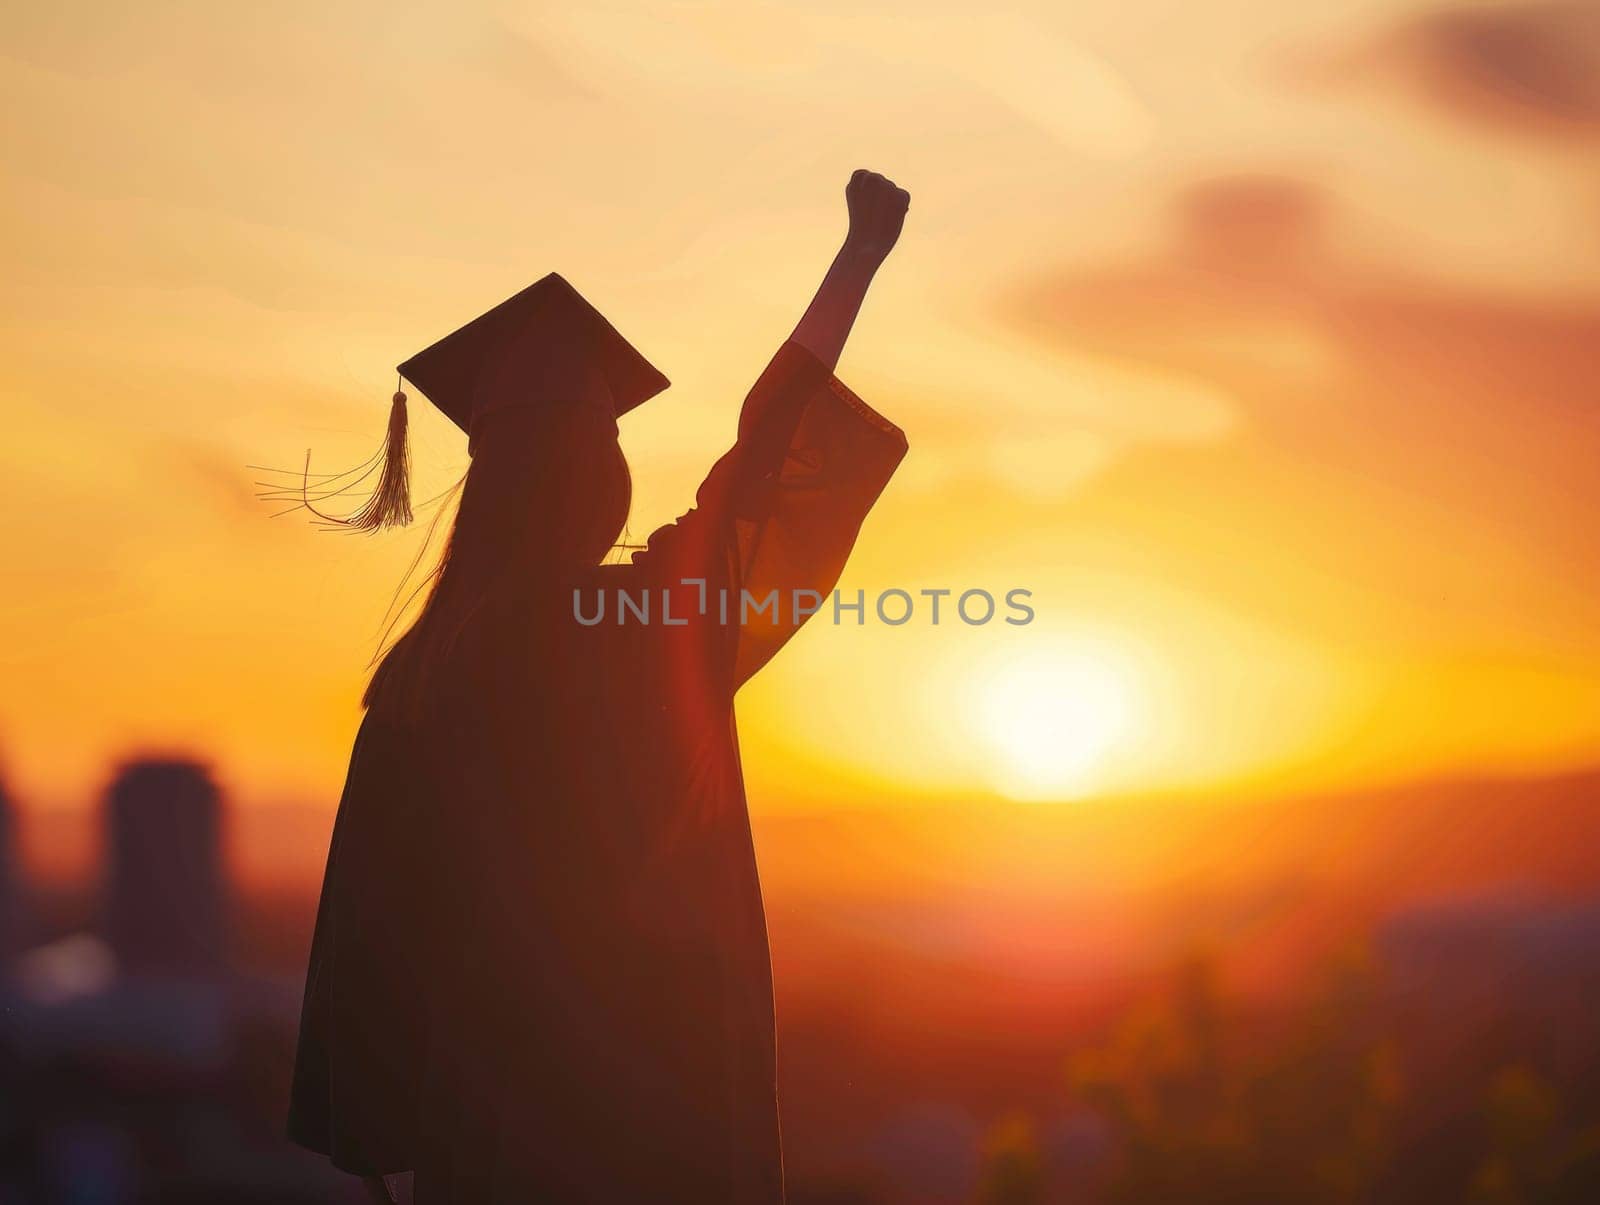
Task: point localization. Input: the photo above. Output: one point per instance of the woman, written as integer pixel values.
(540, 970)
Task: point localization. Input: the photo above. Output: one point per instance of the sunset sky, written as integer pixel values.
(1260, 341)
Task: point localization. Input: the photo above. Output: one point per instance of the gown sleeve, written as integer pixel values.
(776, 517)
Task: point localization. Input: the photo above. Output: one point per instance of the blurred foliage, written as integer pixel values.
(1013, 1173)
(1531, 1158)
(1318, 1103)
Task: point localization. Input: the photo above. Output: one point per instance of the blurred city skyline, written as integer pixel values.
(1379, 997)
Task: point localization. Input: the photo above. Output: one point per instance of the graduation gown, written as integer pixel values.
(540, 970)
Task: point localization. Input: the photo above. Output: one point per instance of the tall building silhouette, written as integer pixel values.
(166, 899)
(10, 884)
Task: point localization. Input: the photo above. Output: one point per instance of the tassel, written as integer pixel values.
(389, 503)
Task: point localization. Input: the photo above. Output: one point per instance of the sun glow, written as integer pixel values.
(1054, 720)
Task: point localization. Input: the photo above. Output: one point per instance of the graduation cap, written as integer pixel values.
(539, 347)
(545, 346)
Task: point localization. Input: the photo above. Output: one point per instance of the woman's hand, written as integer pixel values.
(877, 212)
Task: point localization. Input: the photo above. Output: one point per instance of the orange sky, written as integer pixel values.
(1258, 342)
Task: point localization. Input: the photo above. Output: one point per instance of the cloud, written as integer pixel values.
(1256, 219)
(1438, 400)
(1250, 254)
(767, 54)
(216, 480)
(1237, 292)
(1531, 69)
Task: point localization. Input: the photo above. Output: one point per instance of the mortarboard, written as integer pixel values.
(544, 346)
(532, 348)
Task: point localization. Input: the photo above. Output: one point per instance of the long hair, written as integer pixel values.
(546, 496)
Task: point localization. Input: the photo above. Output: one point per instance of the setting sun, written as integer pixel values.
(1053, 721)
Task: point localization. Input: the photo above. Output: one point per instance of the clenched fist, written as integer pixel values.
(877, 212)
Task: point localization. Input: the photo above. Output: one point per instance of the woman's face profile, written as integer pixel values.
(612, 496)
(564, 470)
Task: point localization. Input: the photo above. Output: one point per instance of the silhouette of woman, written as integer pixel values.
(540, 970)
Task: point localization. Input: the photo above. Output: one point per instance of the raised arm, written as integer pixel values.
(877, 212)
(778, 513)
